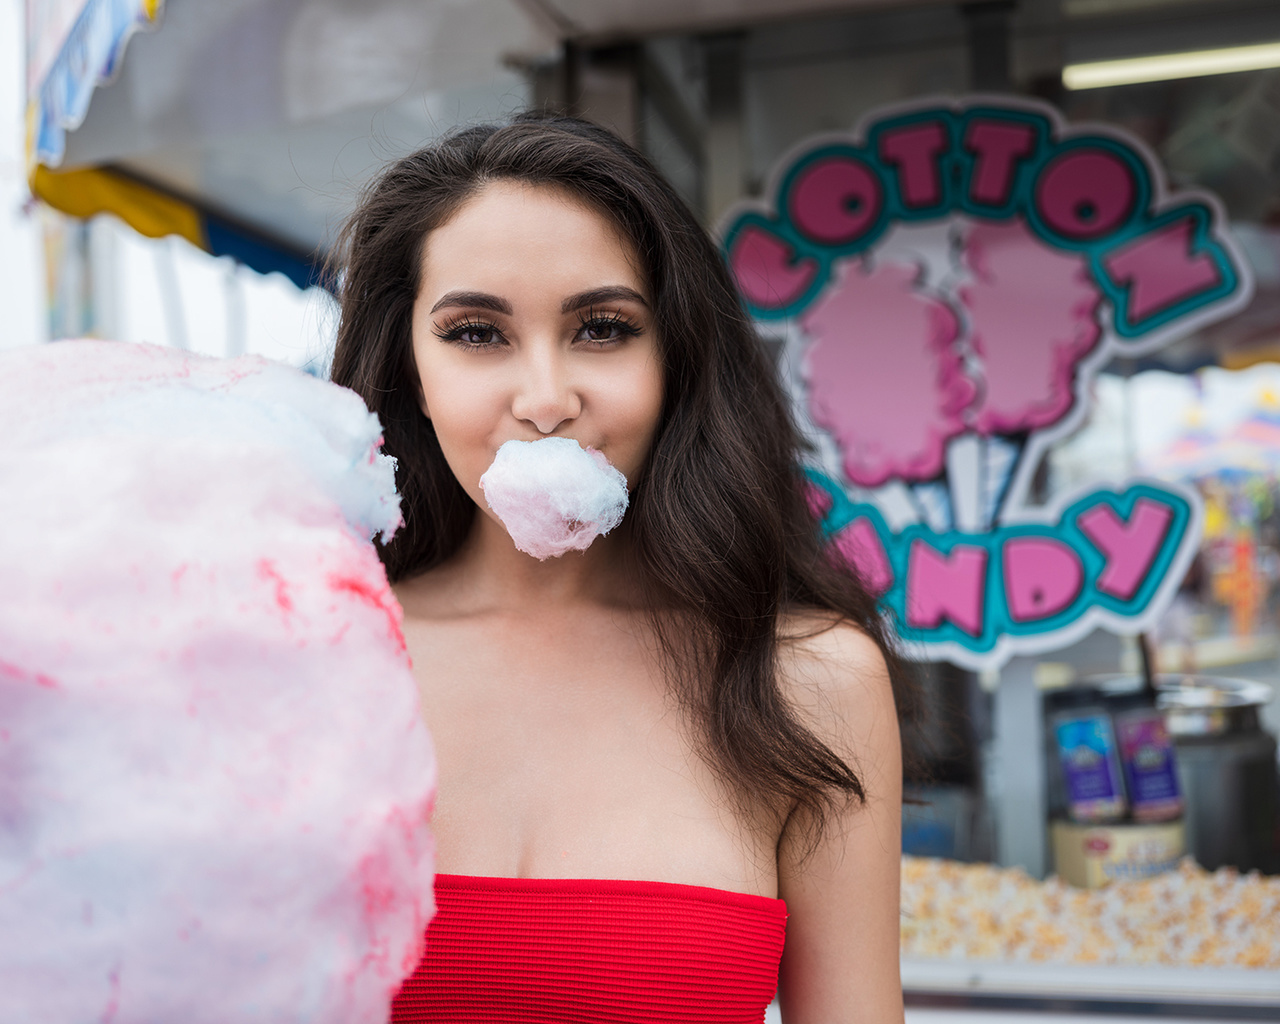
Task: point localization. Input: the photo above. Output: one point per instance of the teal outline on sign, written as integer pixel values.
(898, 210)
(957, 167)
(1202, 244)
(997, 619)
(1040, 127)
(1154, 209)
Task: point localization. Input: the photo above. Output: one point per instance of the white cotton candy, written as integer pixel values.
(554, 496)
(214, 777)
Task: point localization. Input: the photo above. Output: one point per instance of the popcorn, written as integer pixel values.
(554, 496)
(1186, 917)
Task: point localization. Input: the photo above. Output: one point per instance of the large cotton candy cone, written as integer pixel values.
(214, 778)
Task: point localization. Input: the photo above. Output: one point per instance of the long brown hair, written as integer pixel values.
(723, 537)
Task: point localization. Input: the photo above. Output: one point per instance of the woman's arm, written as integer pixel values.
(841, 958)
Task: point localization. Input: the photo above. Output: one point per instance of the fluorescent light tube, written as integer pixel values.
(1164, 66)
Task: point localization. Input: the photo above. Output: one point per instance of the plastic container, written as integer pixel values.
(1088, 755)
(1148, 758)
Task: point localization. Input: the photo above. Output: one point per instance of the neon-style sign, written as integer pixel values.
(1100, 561)
(946, 283)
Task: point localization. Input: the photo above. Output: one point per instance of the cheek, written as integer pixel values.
(638, 407)
(462, 418)
(450, 397)
(649, 408)
(653, 389)
(458, 416)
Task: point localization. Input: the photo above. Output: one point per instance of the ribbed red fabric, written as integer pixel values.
(563, 951)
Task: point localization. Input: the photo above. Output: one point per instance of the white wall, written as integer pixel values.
(22, 310)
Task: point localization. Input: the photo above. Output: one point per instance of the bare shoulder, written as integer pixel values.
(835, 677)
(823, 639)
(841, 882)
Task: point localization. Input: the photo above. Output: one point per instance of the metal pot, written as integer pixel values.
(1227, 769)
(1204, 706)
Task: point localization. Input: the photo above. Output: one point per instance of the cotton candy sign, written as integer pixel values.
(215, 781)
(946, 283)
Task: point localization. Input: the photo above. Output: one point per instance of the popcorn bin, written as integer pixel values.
(1090, 856)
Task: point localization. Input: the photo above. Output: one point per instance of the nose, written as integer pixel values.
(545, 395)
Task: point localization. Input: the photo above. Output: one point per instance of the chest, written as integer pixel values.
(562, 753)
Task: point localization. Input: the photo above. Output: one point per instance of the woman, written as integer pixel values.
(645, 746)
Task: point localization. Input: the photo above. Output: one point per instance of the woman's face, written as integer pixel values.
(534, 319)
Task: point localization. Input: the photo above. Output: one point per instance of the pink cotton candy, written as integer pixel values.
(883, 376)
(214, 776)
(553, 496)
(978, 331)
(1033, 317)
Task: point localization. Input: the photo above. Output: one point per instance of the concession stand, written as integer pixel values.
(1019, 265)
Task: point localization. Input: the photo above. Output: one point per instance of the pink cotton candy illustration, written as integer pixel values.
(907, 359)
(884, 376)
(215, 781)
(1033, 315)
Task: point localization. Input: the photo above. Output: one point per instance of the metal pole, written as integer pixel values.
(725, 159)
(1019, 772)
(988, 24)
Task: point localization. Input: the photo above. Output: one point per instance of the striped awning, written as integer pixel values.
(73, 47)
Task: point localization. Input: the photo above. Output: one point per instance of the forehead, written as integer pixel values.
(511, 232)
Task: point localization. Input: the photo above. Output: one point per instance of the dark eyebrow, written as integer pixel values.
(474, 300)
(613, 293)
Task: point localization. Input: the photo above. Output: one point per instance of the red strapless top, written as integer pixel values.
(553, 951)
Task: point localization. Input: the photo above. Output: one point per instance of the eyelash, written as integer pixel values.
(453, 330)
(624, 327)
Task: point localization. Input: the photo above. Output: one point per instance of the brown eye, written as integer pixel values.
(476, 335)
(471, 334)
(605, 329)
(600, 332)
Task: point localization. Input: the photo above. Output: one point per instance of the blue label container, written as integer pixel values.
(1090, 766)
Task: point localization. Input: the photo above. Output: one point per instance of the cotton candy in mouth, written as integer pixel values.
(553, 495)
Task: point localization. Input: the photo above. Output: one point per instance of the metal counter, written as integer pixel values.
(1205, 993)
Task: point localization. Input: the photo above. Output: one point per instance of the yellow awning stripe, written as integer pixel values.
(88, 192)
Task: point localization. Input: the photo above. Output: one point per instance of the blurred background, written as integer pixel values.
(173, 172)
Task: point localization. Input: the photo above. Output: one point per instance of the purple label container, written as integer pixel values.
(1150, 767)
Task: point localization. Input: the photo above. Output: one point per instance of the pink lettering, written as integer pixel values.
(835, 200)
(862, 548)
(997, 147)
(914, 151)
(766, 269)
(1130, 547)
(946, 587)
(818, 500)
(1042, 576)
(1161, 270)
(1086, 193)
